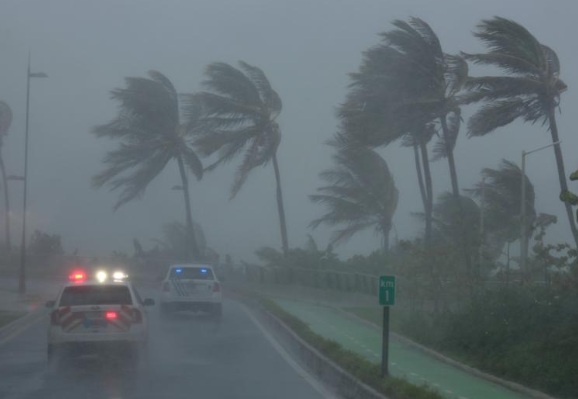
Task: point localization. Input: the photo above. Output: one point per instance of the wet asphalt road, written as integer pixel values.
(190, 356)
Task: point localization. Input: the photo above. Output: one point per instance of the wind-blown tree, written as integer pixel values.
(239, 111)
(5, 122)
(529, 89)
(406, 86)
(360, 194)
(150, 135)
(499, 197)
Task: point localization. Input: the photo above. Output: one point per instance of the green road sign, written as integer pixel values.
(387, 290)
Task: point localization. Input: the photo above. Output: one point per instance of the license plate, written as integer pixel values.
(94, 323)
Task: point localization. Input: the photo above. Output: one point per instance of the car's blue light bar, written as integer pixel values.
(203, 270)
(178, 270)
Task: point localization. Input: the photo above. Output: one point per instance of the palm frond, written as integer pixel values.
(494, 115)
(233, 84)
(504, 36)
(268, 96)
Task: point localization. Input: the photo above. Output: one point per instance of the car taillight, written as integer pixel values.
(136, 316)
(111, 315)
(216, 287)
(166, 286)
(54, 318)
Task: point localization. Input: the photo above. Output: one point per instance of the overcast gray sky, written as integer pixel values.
(305, 47)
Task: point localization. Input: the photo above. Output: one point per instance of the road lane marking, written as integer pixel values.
(21, 329)
(298, 369)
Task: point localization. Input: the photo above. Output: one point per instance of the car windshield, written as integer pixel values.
(96, 295)
(191, 273)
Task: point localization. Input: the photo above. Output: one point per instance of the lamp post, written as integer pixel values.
(523, 229)
(22, 272)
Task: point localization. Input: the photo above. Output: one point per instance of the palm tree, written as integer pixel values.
(431, 81)
(360, 194)
(499, 195)
(150, 135)
(529, 90)
(240, 109)
(5, 122)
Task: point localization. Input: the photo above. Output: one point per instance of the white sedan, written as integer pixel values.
(191, 287)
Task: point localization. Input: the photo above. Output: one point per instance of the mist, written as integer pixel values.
(305, 48)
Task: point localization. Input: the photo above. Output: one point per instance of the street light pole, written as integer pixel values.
(22, 271)
(523, 228)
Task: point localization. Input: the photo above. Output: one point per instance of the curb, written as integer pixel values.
(330, 373)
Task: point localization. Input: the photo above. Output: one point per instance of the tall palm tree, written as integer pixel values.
(150, 135)
(360, 194)
(530, 88)
(240, 109)
(431, 81)
(5, 122)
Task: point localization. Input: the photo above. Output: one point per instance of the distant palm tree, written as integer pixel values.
(151, 135)
(499, 195)
(5, 122)
(530, 90)
(360, 194)
(240, 110)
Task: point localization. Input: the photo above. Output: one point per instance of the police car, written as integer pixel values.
(191, 287)
(103, 315)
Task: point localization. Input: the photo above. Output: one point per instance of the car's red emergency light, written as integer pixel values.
(77, 276)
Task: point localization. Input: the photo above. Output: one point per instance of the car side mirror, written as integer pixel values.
(148, 302)
(50, 304)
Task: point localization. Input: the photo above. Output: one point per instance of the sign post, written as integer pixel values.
(386, 299)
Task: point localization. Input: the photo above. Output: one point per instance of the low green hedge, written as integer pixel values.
(362, 369)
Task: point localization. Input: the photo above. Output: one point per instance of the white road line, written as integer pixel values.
(298, 369)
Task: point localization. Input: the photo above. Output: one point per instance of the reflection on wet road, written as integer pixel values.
(190, 356)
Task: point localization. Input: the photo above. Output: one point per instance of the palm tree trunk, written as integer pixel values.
(561, 171)
(6, 203)
(456, 193)
(428, 206)
(193, 250)
(450, 155)
(419, 174)
(280, 207)
(385, 229)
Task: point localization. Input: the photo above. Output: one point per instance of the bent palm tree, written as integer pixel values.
(239, 113)
(150, 134)
(361, 194)
(5, 122)
(530, 90)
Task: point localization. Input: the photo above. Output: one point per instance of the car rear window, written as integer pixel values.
(96, 295)
(191, 273)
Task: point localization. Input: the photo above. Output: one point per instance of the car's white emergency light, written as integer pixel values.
(119, 276)
(101, 276)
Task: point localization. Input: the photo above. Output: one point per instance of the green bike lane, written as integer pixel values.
(405, 361)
